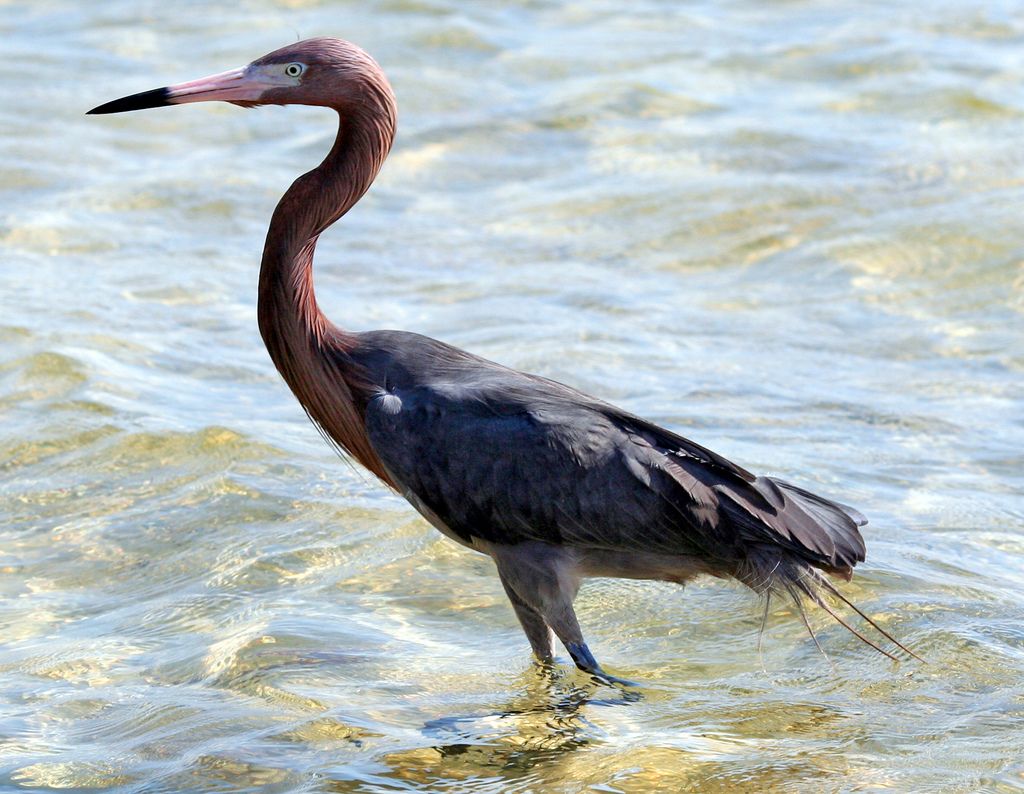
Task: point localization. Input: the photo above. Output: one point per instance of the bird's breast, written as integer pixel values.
(433, 517)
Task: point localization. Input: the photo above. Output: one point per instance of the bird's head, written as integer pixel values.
(322, 71)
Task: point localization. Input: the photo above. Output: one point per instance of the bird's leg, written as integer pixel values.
(540, 581)
(567, 628)
(536, 630)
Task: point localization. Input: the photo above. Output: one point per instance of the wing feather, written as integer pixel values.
(510, 457)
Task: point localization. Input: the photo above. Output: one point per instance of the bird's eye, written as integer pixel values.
(294, 69)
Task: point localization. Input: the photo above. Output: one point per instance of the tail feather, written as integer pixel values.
(836, 592)
(821, 506)
(791, 589)
(838, 520)
(811, 591)
(774, 513)
(825, 533)
(769, 570)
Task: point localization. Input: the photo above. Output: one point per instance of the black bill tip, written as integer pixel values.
(156, 98)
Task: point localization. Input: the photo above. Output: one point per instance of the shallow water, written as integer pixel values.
(790, 230)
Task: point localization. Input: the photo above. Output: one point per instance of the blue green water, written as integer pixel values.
(790, 230)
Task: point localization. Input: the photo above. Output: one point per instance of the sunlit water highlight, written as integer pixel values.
(789, 230)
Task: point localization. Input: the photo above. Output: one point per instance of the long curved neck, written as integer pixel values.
(307, 349)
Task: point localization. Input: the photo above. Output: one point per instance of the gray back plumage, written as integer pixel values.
(509, 457)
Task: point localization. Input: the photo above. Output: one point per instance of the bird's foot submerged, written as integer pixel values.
(586, 662)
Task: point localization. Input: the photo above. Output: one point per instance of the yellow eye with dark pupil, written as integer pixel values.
(294, 69)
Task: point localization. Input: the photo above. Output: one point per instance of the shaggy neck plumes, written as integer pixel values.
(308, 351)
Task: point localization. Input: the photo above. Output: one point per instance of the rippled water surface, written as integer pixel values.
(790, 230)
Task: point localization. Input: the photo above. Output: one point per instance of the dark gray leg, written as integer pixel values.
(536, 630)
(567, 629)
(541, 582)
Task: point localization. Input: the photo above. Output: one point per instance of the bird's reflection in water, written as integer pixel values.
(546, 720)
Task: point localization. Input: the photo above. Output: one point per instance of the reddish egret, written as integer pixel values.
(553, 484)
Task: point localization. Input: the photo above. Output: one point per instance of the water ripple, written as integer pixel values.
(788, 230)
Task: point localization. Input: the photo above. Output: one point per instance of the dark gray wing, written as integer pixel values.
(508, 472)
(762, 510)
(510, 457)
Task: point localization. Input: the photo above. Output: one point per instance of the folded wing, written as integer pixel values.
(508, 457)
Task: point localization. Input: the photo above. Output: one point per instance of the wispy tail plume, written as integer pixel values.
(775, 571)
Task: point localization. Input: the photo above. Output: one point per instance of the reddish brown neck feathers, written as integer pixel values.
(307, 349)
